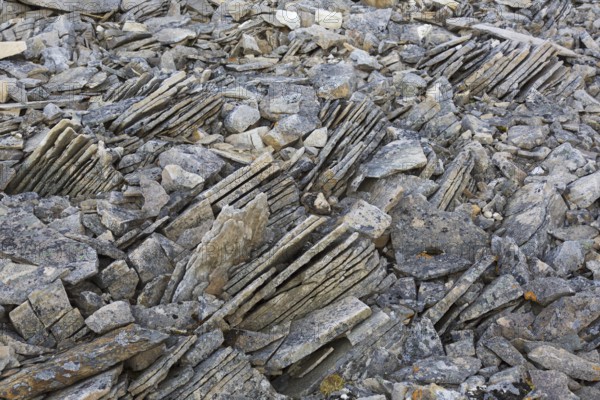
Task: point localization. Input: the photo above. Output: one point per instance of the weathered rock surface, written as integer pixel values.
(362, 199)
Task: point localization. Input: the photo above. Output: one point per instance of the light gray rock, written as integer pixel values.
(584, 191)
(550, 357)
(120, 280)
(176, 178)
(90, 388)
(195, 159)
(150, 260)
(155, 197)
(311, 332)
(500, 292)
(545, 290)
(567, 257)
(80, 362)
(527, 137)
(552, 385)
(29, 241)
(567, 316)
(445, 370)
(18, 280)
(336, 81)
(89, 6)
(109, 317)
(422, 342)
(241, 118)
(367, 219)
(397, 156)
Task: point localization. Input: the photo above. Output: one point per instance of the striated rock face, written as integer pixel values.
(80, 362)
(310, 199)
(29, 241)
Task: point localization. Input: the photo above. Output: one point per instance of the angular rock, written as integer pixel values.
(28, 240)
(80, 362)
(109, 317)
(550, 357)
(311, 332)
(397, 156)
(241, 118)
(445, 370)
(584, 191)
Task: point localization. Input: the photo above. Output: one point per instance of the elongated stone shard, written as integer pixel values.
(80, 362)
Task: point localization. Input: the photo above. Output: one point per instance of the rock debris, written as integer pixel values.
(315, 199)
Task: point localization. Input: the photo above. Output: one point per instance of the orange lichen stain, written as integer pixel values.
(529, 295)
(415, 369)
(331, 384)
(417, 394)
(424, 255)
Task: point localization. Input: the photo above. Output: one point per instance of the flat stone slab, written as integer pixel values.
(26, 238)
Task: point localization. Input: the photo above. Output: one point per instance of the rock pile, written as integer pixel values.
(319, 199)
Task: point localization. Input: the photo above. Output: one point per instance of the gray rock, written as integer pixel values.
(18, 280)
(430, 266)
(69, 324)
(25, 321)
(109, 317)
(397, 156)
(499, 293)
(422, 342)
(567, 257)
(367, 219)
(80, 362)
(545, 290)
(323, 37)
(176, 178)
(289, 130)
(89, 6)
(119, 219)
(150, 260)
(334, 81)
(505, 350)
(204, 346)
(418, 228)
(311, 332)
(120, 280)
(364, 61)
(155, 196)
(561, 360)
(445, 370)
(50, 303)
(195, 159)
(241, 118)
(527, 137)
(94, 387)
(8, 358)
(552, 385)
(461, 286)
(584, 191)
(567, 315)
(531, 212)
(29, 241)
(165, 317)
